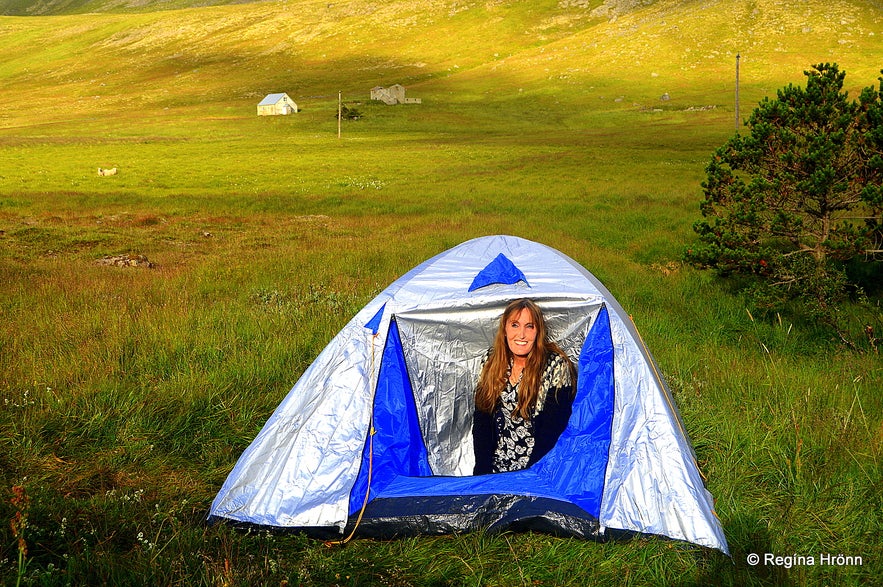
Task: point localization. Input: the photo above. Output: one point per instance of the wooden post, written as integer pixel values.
(339, 111)
(737, 92)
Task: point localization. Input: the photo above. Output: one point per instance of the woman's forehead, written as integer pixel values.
(521, 315)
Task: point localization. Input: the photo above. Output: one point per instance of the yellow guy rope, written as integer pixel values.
(662, 385)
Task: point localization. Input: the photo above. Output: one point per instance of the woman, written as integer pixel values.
(524, 395)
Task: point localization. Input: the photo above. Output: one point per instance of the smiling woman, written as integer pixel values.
(524, 395)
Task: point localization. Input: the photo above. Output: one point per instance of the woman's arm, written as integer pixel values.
(551, 421)
(483, 443)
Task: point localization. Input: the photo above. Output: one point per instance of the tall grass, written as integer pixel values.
(127, 393)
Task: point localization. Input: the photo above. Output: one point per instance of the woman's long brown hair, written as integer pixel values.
(496, 368)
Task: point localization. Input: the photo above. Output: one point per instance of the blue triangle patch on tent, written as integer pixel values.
(374, 323)
(500, 270)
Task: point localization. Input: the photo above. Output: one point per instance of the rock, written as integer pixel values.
(126, 261)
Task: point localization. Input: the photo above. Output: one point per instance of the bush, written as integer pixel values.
(349, 113)
(794, 207)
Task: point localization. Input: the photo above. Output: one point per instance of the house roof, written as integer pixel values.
(272, 99)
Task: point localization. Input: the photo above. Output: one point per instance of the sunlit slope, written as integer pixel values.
(55, 7)
(585, 54)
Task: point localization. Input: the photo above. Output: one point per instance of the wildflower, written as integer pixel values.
(21, 502)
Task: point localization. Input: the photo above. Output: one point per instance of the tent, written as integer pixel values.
(376, 434)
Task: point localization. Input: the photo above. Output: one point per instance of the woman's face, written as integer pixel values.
(521, 333)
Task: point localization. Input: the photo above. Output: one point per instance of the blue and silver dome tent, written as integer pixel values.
(375, 437)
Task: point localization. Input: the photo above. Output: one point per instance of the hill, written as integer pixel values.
(585, 53)
(56, 7)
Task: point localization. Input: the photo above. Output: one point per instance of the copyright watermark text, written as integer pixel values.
(769, 559)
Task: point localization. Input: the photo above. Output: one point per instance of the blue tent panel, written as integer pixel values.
(374, 323)
(500, 270)
(395, 445)
(578, 462)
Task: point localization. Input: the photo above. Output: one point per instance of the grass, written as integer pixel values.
(128, 393)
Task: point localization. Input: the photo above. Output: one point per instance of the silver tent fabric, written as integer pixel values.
(299, 470)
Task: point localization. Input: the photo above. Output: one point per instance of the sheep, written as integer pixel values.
(105, 172)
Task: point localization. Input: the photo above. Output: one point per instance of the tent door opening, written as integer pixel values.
(395, 460)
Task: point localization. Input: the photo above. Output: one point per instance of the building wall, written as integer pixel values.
(283, 106)
(383, 95)
(397, 91)
(394, 94)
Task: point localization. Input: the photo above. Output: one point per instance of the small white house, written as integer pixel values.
(276, 104)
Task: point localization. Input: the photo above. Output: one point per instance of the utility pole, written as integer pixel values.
(339, 111)
(737, 92)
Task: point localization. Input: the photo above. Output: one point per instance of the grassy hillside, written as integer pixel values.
(224, 55)
(57, 7)
(129, 392)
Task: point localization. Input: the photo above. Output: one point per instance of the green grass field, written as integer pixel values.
(128, 393)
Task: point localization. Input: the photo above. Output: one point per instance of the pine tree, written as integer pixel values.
(797, 202)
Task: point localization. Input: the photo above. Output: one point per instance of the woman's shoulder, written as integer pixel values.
(559, 371)
(556, 360)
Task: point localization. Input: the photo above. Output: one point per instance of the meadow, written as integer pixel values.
(128, 392)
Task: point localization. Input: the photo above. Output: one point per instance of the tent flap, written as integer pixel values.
(578, 461)
(394, 446)
(448, 514)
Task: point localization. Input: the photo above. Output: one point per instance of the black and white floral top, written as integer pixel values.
(515, 439)
(506, 442)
